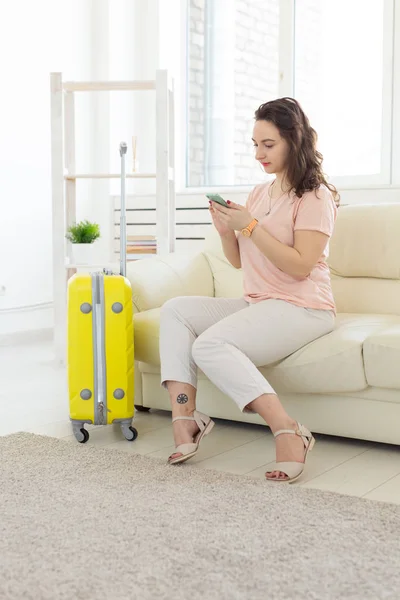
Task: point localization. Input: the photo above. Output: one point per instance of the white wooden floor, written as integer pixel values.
(33, 397)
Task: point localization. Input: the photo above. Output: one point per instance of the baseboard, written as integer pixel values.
(26, 319)
(27, 337)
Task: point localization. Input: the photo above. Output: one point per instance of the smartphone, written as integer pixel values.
(217, 198)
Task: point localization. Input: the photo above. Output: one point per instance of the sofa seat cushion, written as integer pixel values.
(382, 357)
(331, 364)
(146, 327)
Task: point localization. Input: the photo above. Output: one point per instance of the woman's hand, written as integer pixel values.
(219, 225)
(234, 218)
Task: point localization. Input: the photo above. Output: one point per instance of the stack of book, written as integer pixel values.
(139, 245)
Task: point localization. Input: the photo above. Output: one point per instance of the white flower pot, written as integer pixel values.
(83, 254)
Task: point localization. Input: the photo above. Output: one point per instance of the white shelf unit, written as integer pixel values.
(74, 176)
(64, 176)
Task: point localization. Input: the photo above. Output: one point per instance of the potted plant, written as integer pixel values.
(82, 235)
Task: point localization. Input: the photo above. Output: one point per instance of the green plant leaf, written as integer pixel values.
(83, 232)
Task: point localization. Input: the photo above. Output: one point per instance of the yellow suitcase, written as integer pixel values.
(100, 345)
(100, 353)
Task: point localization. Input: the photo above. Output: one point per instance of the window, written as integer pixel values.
(340, 64)
(339, 78)
(233, 67)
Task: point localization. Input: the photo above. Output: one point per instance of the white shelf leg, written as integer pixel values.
(70, 165)
(58, 225)
(69, 156)
(163, 161)
(171, 171)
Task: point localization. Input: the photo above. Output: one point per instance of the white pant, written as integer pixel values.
(228, 338)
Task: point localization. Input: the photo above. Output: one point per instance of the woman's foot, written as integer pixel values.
(184, 432)
(200, 425)
(289, 448)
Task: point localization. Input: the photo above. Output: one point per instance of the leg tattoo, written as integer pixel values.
(182, 399)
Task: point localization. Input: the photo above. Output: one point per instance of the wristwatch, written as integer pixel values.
(247, 231)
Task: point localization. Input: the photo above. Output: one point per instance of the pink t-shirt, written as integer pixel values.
(315, 211)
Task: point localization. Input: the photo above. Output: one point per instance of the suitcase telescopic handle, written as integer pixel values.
(122, 227)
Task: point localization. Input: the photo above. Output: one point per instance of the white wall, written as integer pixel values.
(35, 38)
(83, 39)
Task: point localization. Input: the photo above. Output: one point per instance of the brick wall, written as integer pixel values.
(195, 148)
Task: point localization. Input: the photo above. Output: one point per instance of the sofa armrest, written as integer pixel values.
(157, 279)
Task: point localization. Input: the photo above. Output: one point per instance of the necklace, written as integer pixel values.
(270, 198)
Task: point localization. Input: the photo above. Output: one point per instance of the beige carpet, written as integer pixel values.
(79, 522)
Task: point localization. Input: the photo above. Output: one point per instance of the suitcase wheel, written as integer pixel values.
(82, 436)
(130, 433)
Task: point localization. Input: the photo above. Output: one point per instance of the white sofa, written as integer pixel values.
(346, 383)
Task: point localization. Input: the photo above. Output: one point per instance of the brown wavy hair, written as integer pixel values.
(304, 170)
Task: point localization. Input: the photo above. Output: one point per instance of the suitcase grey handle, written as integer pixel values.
(122, 227)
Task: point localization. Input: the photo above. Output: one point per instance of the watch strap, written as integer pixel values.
(250, 227)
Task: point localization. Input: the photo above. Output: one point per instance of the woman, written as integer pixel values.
(280, 240)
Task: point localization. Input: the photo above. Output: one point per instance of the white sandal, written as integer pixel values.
(293, 469)
(205, 425)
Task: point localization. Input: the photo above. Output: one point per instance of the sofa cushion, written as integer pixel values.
(146, 328)
(382, 357)
(228, 281)
(156, 280)
(366, 295)
(331, 364)
(366, 241)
